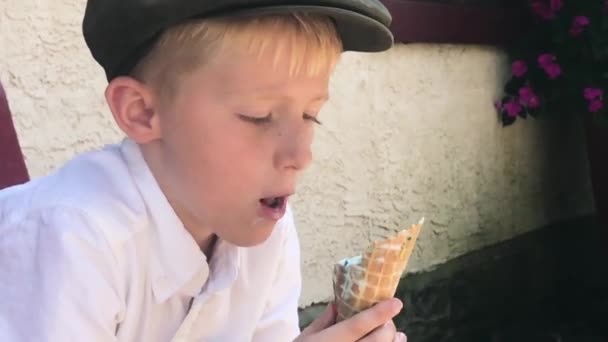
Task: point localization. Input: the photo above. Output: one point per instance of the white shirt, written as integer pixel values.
(94, 252)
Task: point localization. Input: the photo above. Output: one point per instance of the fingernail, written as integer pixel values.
(397, 305)
(401, 337)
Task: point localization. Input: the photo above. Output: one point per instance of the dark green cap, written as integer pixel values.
(120, 32)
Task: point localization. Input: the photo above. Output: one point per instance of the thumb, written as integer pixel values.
(327, 319)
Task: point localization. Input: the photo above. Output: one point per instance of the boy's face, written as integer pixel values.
(234, 140)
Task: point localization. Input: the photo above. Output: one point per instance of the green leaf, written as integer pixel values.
(513, 85)
(507, 120)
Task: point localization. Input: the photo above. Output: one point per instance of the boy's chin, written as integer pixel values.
(250, 241)
(253, 236)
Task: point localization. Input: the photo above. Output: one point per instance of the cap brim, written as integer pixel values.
(358, 32)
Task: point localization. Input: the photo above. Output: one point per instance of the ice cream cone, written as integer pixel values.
(362, 281)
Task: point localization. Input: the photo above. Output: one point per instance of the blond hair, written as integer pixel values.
(313, 42)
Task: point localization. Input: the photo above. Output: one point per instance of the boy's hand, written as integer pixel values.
(373, 324)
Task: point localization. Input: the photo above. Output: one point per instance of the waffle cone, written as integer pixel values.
(365, 280)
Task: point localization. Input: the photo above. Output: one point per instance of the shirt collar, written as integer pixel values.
(224, 266)
(177, 263)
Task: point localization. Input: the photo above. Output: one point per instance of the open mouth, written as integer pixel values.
(273, 202)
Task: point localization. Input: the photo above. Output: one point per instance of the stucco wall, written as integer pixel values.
(408, 133)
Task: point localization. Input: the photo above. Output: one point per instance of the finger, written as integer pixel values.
(385, 333)
(327, 319)
(400, 337)
(364, 322)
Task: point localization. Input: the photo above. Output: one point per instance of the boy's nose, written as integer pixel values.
(294, 149)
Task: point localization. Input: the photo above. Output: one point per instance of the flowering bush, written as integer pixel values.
(560, 67)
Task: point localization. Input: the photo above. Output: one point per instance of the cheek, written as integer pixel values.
(215, 155)
(237, 161)
(222, 166)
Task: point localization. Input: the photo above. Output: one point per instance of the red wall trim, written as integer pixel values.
(434, 22)
(12, 166)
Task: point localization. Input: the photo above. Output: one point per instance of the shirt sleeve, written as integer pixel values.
(57, 281)
(280, 321)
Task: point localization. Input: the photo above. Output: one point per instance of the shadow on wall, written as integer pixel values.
(548, 285)
(558, 139)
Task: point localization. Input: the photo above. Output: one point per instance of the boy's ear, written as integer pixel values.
(134, 109)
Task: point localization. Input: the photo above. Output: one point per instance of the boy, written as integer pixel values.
(182, 232)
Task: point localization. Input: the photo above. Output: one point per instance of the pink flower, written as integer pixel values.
(513, 107)
(581, 20)
(546, 59)
(556, 5)
(578, 25)
(546, 9)
(542, 10)
(525, 93)
(547, 62)
(594, 96)
(593, 93)
(596, 105)
(534, 102)
(519, 68)
(553, 71)
(528, 98)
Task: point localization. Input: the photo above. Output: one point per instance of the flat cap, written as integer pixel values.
(120, 32)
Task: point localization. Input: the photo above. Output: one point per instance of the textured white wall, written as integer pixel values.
(408, 133)
(413, 132)
(55, 89)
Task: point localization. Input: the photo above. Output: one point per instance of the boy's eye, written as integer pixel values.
(256, 120)
(312, 118)
(266, 119)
